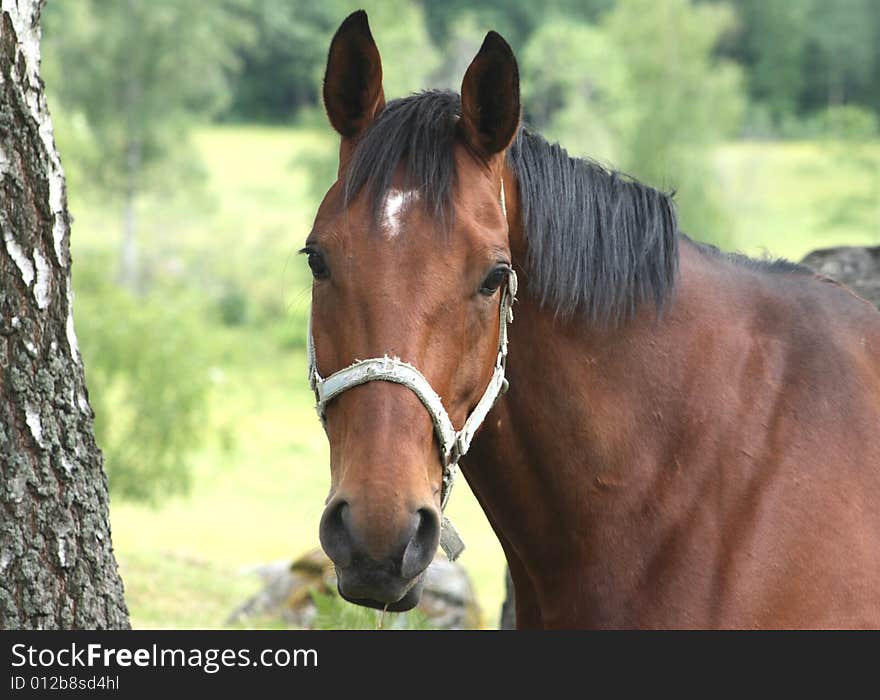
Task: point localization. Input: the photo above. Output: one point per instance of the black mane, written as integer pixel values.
(599, 242)
(766, 264)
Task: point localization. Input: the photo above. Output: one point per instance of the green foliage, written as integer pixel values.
(514, 19)
(148, 381)
(644, 91)
(573, 80)
(803, 55)
(334, 613)
(264, 60)
(408, 56)
(842, 49)
(798, 55)
(681, 102)
(463, 41)
(134, 74)
(290, 335)
(771, 39)
(848, 123)
(282, 70)
(233, 305)
(321, 161)
(845, 131)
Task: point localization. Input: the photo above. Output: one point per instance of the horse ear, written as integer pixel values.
(490, 104)
(353, 93)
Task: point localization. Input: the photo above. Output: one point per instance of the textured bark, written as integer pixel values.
(57, 568)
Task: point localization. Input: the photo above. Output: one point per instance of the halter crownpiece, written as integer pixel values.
(454, 444)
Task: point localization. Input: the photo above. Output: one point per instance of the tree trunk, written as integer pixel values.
(57, 568)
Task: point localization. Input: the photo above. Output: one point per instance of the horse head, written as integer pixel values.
(412, 269)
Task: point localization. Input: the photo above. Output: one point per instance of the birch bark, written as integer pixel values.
(57, 567)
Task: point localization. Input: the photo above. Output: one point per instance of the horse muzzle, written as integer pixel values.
(379, 564)
(374, 588)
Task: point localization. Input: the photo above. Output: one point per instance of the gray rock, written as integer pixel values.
(508, 609)
(448, 600)
(856, 267)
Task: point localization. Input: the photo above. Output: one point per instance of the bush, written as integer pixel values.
(847, 122)
(290, 333)
(233, 305)
(148, 382)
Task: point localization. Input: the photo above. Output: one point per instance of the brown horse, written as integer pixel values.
(690, 439)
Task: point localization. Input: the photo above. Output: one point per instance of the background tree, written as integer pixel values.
(514, 19)
(652, 103)
(57, 567)
(149, 380)
(574, 80)
(798, 56)
(132, 77)
(770, 40)
(802, 56)
(280, 71)
(140, 72)
(682, 102)
(841, 51)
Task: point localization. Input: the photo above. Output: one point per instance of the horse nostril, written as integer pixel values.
(334, 535)
(421, 548)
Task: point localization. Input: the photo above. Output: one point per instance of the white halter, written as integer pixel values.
(454, 444)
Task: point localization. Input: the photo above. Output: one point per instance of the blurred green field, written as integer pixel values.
(788, 198)
(261, 477)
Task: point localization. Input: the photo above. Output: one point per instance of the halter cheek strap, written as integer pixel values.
(454, 444)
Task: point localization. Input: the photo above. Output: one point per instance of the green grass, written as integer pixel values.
(789, 198)
(261, 476)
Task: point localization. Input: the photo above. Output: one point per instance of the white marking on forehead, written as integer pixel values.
(396, 201)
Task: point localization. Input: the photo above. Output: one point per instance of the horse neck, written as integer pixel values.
(573, 461)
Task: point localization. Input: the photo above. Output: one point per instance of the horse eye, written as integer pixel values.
(495, 279)
(318, 265)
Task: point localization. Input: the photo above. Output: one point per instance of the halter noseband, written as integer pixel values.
(454, 444)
